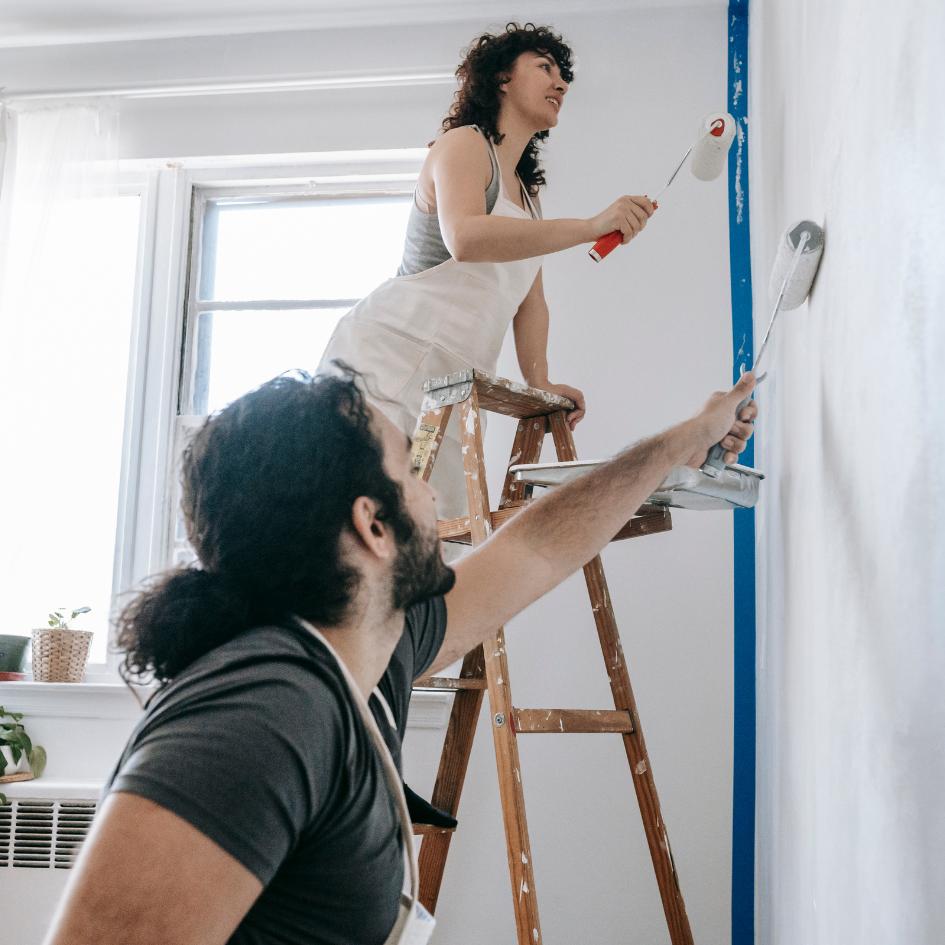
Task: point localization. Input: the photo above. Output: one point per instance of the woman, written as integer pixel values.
(475, 242)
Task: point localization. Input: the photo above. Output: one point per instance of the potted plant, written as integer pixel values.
(59, 652)
(12, 653)
(20, 759)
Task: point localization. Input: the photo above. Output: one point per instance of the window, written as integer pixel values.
(63, 481)
(271, 273)
(273, 277)
(207, 280)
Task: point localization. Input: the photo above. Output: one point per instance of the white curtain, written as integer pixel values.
(59, 407)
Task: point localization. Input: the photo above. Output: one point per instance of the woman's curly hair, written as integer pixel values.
(486, 64)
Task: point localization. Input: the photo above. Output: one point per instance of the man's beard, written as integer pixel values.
(420, 572)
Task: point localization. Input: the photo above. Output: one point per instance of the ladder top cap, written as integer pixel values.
(497, 394)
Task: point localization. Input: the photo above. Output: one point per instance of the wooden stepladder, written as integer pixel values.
(486, 667)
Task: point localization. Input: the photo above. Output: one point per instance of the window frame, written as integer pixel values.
(193, 305)
(146, 499)
(171, 194)
(177, 191)
(140, 183)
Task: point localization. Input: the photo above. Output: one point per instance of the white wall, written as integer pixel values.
(846, 102)
(646, 335)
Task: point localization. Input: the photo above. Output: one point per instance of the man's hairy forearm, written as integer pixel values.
(571, 524)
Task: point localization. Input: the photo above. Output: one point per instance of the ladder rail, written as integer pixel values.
(508, 763)
(486, 667)
(641, 769)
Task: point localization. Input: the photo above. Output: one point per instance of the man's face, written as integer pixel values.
(419, 571)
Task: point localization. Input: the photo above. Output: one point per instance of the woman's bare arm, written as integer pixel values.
(531, 347)
(530, 328)
(458, 165)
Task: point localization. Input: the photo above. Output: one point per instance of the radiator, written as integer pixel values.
(43, 833)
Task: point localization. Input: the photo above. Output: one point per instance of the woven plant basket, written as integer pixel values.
(60, 655)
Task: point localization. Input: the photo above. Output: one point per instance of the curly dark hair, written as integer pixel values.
(269, 482)
(485, 64)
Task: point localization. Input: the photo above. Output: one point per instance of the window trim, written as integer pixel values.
(170, 192)
(145, 512)
(398, 185)
(375, 178)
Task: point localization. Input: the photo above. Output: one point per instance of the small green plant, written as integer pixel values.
(57, 619)
(13, 736)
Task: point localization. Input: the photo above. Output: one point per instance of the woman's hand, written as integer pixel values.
(626, 214)
(572, 393)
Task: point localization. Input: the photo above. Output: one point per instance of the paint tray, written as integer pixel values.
(736, 487)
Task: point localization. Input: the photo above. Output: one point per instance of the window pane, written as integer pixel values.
(324, 248)
(241, 350)
(71, 344)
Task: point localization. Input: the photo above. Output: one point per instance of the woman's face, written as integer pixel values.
(535, 90)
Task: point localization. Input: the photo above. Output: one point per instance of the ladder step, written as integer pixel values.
(457, 529)
(556, 721)
(495, 393)
(449, 683)
(649, 520)
(428, 830)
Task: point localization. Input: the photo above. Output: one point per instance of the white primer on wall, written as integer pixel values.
(846, 103)
(646, 335)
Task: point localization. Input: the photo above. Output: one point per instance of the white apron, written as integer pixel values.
(414, 924)
(448, 318)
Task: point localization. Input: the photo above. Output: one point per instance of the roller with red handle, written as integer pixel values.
(708, 158)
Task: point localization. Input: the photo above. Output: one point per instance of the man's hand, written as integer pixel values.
(717, 422)
(564, 529)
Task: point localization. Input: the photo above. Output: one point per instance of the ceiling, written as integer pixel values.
(55, 22)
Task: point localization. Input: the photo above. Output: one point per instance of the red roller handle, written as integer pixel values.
(605, 245)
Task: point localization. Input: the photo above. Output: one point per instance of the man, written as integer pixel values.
(250, 805)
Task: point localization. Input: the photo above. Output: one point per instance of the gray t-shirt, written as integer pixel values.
(257, 745)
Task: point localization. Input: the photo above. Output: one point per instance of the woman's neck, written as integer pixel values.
(515, 138)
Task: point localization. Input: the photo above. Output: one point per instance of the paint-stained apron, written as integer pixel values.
(448, 318)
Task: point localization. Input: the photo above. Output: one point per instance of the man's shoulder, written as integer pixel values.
(269, 666)
(431, 610)
(424, 629)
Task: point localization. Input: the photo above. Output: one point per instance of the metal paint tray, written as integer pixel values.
(736, 487)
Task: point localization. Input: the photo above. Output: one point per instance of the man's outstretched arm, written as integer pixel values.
(562, 531)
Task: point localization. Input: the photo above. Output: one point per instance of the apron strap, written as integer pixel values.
(532, 209)
(498, 171)
(391, 774)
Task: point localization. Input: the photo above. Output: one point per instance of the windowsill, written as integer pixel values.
(88, 700)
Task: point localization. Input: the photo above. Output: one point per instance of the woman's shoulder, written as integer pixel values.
(462, 133)
(462, 148)
(466, 138)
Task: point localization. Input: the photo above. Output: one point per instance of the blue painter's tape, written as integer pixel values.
(743, 780)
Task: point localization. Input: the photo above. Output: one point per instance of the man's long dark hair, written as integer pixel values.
(486, 63)
(269, 483)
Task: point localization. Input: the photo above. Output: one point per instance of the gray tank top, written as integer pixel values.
(423, 245)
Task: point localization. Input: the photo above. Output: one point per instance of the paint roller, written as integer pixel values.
(792, 275)
(708, 151)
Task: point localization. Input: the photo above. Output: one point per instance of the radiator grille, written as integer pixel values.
(41, 834)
